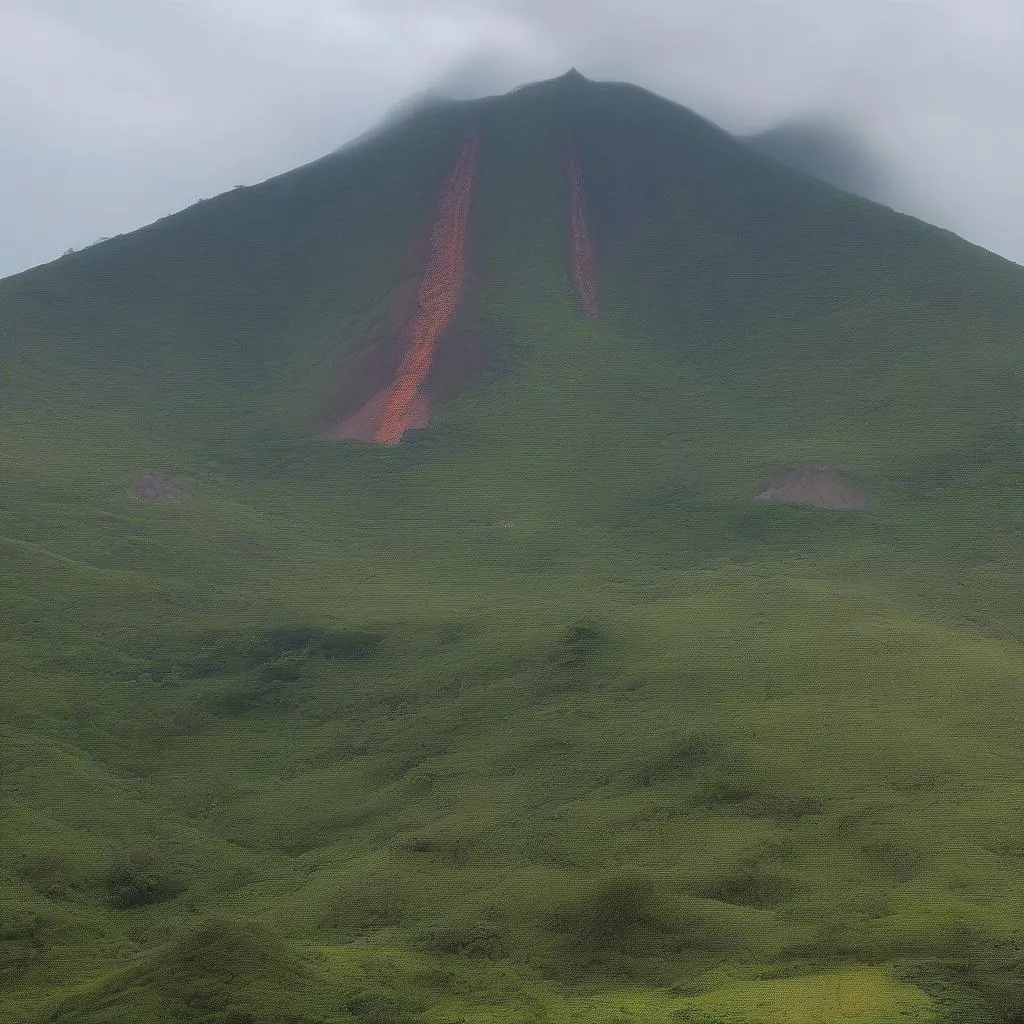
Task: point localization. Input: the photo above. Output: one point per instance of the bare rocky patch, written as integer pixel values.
(815, 487)
(150, 486)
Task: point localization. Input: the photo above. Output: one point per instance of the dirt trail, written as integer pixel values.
(581, 248)
(403, 405)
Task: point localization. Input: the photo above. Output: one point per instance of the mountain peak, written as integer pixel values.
(572, 77)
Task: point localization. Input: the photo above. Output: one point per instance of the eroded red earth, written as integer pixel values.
(385, 391)
(402, 404)
(581, 247)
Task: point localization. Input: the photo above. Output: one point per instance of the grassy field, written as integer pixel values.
(537, 717)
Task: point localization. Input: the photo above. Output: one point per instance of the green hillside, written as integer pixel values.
(537, 715)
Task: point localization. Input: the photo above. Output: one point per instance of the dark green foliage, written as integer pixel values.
(899, 861)
(343, 645)
(453, 851)
(351, 645)
(139, 876)
(271, 686)
(376, 1007)
(679, 758)
(377, 903)
(294, 645)
(272, 665)
(626, 916)
(258, 696)
(220, 970)
(49, 872)
(753, 884)
(986, 989)
(476, 940)
(20, 925)
(749, 799)
(580, 645)
(23, 937)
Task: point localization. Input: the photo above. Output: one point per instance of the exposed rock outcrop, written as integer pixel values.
(816, 487)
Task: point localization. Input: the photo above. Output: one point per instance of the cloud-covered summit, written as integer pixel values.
(118, 112)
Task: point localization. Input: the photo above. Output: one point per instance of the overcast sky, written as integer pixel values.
(116, 112)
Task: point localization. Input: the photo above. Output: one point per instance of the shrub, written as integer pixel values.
(624, 916)
(579, 645)
(291, 645)
(140, 876)
(899, 861)
(47, 872)
(344, 645)
(752, 885)
(376, 904)
(21, 924)
(350, 645)
(475, 940)
(752, 801)
(271, 686)
(254, 696)
(623, 926)
(681, 755)
(384, 1007)
(451, 850)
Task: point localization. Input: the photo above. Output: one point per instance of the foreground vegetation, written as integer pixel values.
(537, 717)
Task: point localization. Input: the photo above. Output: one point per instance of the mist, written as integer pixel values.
(135, 111)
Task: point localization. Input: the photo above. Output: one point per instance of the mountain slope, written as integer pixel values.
(464, 660)
(825, 151)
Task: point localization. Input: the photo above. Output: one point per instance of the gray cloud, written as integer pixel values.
(117, 112)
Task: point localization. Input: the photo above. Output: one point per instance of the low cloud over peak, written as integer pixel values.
(136, 110)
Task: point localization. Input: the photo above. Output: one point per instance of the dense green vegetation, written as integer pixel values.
(537, 717)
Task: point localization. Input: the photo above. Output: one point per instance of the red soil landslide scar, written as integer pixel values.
(581, 248)
(404, 405)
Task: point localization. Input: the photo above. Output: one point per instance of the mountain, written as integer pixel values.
(824, 150)
(548, 560)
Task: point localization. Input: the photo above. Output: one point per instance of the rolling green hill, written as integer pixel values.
(537, 715)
